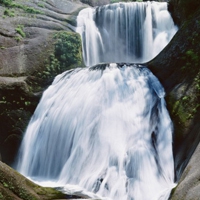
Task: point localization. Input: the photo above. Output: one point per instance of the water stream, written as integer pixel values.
(105, 132)
(125, 32)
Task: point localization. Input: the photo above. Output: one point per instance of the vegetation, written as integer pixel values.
(185, 103)
(19, 30)
(6, 2)
(68, 48)
(67, 53)
(12, 4)
(13, 184)
(41, 5)
(9, 13)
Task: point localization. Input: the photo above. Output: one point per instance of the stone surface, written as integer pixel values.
(189, 184)
(15, 186)
(177, 67)
(28, 62)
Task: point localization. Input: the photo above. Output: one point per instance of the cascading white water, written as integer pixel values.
(125, 32)
(106, 131)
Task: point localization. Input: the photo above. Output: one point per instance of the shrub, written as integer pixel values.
(67, 48)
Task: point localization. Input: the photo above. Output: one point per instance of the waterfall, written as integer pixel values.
(107, 131)
(125, 32)
(104, 131)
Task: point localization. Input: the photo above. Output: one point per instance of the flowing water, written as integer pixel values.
(103, 132)
(125, 32)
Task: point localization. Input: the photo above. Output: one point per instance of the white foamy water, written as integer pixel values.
(103, 133)
(132, 32)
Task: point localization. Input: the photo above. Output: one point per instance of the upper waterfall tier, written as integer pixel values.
(124, 32)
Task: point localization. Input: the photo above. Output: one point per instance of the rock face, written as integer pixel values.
(15, 186)
(189, 184)
(36, 44)
(177, 67)
(182, 9)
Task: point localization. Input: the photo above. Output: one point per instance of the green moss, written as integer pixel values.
(5, 185)
(184, 102)
(9, 13)
(6, 2)
(191, 61)
(19, 30)
(31, 10)
(18, 38)
(173, 191)
(41, 5)
(65, 55)
(28, 9)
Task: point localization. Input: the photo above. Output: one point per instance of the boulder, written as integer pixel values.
(15, 186)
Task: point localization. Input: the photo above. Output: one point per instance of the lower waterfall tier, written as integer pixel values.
(107, 131)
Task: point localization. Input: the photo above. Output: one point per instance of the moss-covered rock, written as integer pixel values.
(178, 69)
(14, 186)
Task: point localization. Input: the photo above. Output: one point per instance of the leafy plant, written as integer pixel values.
(67, 48)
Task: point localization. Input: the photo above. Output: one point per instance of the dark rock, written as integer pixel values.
(15, 186)
(177, 67)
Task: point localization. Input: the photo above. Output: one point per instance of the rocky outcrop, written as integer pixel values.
(15, 186)
(189, 184)
(37, 42)
(177, 67)
(181, 10)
